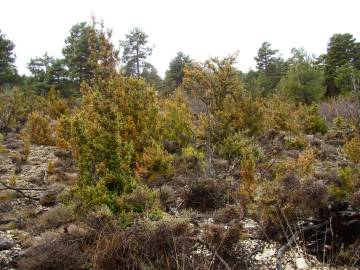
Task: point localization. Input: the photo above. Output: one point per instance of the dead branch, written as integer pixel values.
(21, 190)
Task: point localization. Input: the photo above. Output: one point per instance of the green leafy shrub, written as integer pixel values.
(237, 145)
(191, 160)
(2, 148)
(345, 186)
(312, 121)
(280, 114)
(352, 149)
(38, 128)
(57, 106)
(295, 142)
(15, 105)
(175, 121)
(141, 199)
(155, 165)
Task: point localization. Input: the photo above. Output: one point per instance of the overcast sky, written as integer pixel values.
(200, 28)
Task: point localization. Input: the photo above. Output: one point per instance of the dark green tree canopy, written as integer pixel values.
(150, 74)
(48, 72)
(266, 58)
(77, 52)
(304, 81)
(7, 59)
(342, 51)
(270, 68)
(174, 75)
(135, 52)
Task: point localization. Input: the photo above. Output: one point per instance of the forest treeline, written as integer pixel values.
(279, 144)
(303, 76)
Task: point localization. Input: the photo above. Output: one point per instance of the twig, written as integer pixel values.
(224, 263)
(292, 240)
(266, 170)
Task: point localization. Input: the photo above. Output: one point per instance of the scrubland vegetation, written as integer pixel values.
(148, 173)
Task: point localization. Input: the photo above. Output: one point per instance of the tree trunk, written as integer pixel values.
(137, 63)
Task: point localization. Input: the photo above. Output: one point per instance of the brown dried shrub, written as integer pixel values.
(207, 193)
(55, 217)
(224, 241)
(55, 251)
(147, 245)
(229, 213)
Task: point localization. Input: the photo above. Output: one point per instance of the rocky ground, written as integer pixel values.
(48, 171)
(45, 174)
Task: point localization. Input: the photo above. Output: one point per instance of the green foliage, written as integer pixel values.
(135, 52)
(99, 129)
(38, 129)
(142, 199)
(343, 80)
(190, 152)
(304, 80)
(311, 120)
(156, 164)
(175, 121)
(77, 52)
(246, 115)
(151, 76)
(279, 114)
(283, 114)
(343, 51)
(237, 146)
(15, 105)
(352, 149)
(8, 73)
(296, 142)
(217, 85)
(57, 106)
(345, 186)
(48, 72)
(190, 161)
(111, 131)
(175, 73)
(270, 67)
(265, 57)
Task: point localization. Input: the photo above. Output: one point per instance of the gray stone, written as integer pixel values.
(49, 197)
(6, 243)
(38, 179)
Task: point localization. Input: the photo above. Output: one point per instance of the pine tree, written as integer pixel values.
(135, 52)
(174, 75)
(304, 81)
(8, 71)
(77, 53)
(342, 51)
(270, 67)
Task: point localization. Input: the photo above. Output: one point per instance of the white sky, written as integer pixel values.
(200, 28)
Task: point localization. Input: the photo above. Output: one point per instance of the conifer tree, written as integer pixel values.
(135, 52)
